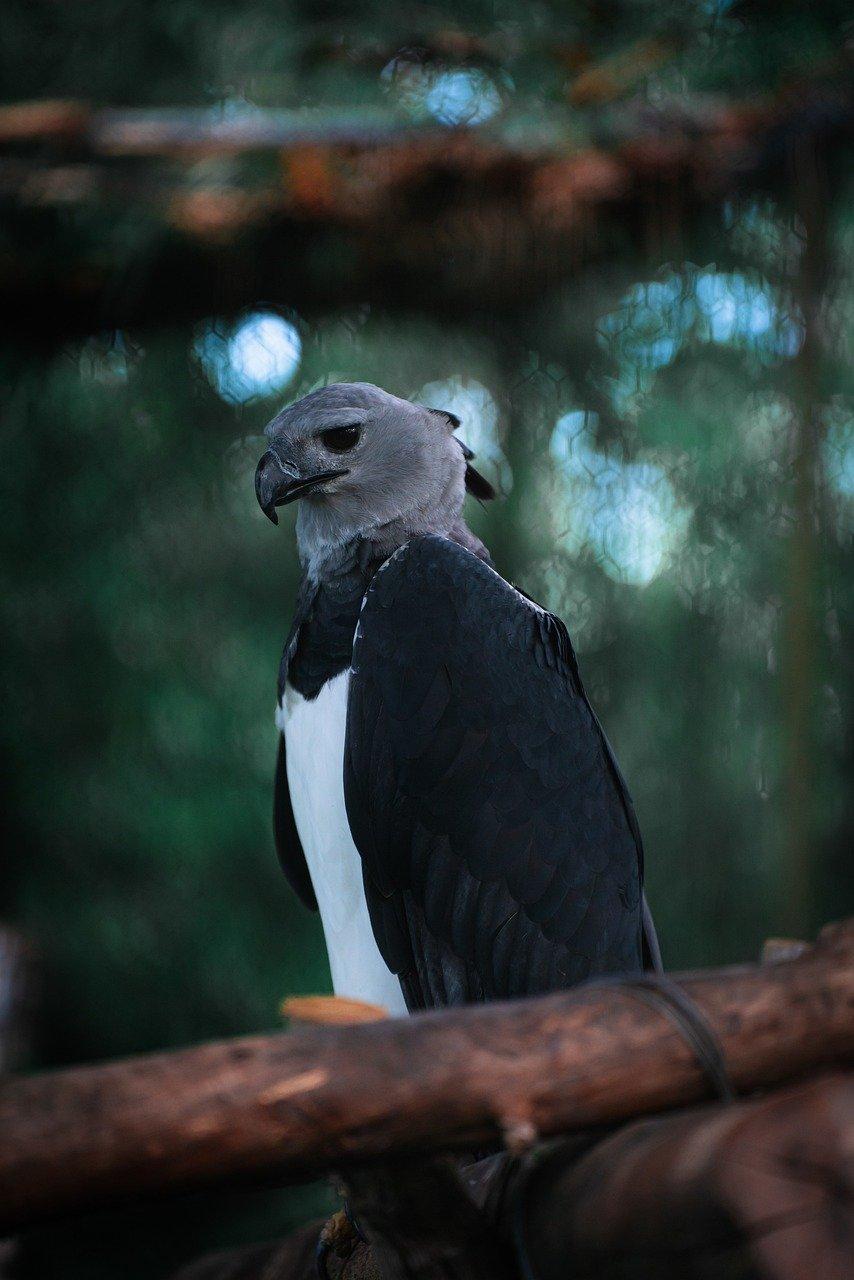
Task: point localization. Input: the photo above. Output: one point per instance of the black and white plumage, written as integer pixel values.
(444, 792)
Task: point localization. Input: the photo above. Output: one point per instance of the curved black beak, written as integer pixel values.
(278, 482)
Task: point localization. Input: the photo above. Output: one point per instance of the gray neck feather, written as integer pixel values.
(322, 534)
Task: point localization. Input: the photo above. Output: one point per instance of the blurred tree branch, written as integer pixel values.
(116, 218)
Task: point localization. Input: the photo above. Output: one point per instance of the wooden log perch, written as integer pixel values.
(753, 1189)
(759, 1190)
(292, 1105)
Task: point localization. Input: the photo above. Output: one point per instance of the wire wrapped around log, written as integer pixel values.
(292, 1105)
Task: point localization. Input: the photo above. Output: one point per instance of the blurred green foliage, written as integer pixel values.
(645, 437)
(291, 53)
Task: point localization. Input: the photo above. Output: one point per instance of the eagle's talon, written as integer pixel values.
(339, 1235)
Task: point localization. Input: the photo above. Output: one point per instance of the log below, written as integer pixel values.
(760, 1191)
(289, 1106)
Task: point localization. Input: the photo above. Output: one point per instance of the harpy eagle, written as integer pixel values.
(444, 792)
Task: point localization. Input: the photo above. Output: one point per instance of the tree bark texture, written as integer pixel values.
(291, 1105)
(760, 1190)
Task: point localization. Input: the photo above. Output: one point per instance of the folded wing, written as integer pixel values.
(500, 849)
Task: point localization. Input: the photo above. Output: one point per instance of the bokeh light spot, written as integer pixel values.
(105, 359)
(839, 450)
(626, 513)
(479, 422)
(257, 357)
(462, 96)
(655, 320)
(451, 95)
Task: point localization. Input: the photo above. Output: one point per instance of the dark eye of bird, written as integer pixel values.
(340, 439)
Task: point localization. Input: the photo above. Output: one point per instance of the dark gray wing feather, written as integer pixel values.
(500, 851)
(288, 845)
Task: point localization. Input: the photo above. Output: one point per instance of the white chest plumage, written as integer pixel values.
(314, 738)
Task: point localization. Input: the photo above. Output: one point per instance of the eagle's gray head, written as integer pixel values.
(365, 464)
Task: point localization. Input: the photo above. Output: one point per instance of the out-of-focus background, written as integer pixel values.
(616, 239)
